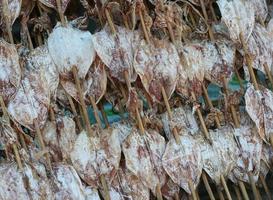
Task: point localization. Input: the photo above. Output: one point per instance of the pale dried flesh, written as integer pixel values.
(67, 183)
(124, 128)
(60, 137)
(10, 71)
(226, 146)
(94, 83)
(130, 186)
(191, 71)
(143, 154)
(211, 160)
(71, 47)
(219, 59)
(266, 160)
(260, 48)
(39, 59)
(259, 106)
(183, 162)
(261, 9)
(157, 65)
(117, 51)
(182, 118)
(97, 155)
(38, 186)
(12, 185)
(249, 154)
(31, 101)
(239, 17)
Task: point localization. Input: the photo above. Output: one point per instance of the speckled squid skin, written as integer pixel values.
(12, 185)
(7, 135)
(60, 137)
(157, 65)
(261, 9)
(260, 48)
(129, 185)
(143, 154)
(96, 156)
(94, 83)
(10, 71)
(220, 157)
(182, 118)
(266, 159)
(259, 106)
(202, 60)
(183, 162)
(117, 51)
(239, 16)
(250, 152)
(39, 186)
(68, 184)
(40, 59)
(31, 101)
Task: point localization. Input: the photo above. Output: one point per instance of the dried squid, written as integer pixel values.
(117, 51)
(60, 137)
(157, 65)
(239, 16)
(260, 48)
(10, 71)
(182, 119)
(143, 154)
(94, 83)
(259, 106)
(183, 162)
(250, 152)
(12, 184)
(31, 102)
(220, 157)
(97, 155)
(39, 59)
(71, 47)
(129, 185)
(53, 4)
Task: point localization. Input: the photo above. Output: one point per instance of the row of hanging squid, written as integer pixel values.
(153, 61)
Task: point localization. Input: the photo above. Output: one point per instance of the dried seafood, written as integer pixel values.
(117, 51)
(40, 60)
(183, 162)
(76, 50)
(94, 83)
(259, 106)
(260, 48)
(48, 76)
(143, 154)
(12, 184)
(239, 17)
(60, 137)
(157, 65)
(53, 4)
(10, 71)
(250, 152)
(182, 119)
(31, 102)
(95, 156)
